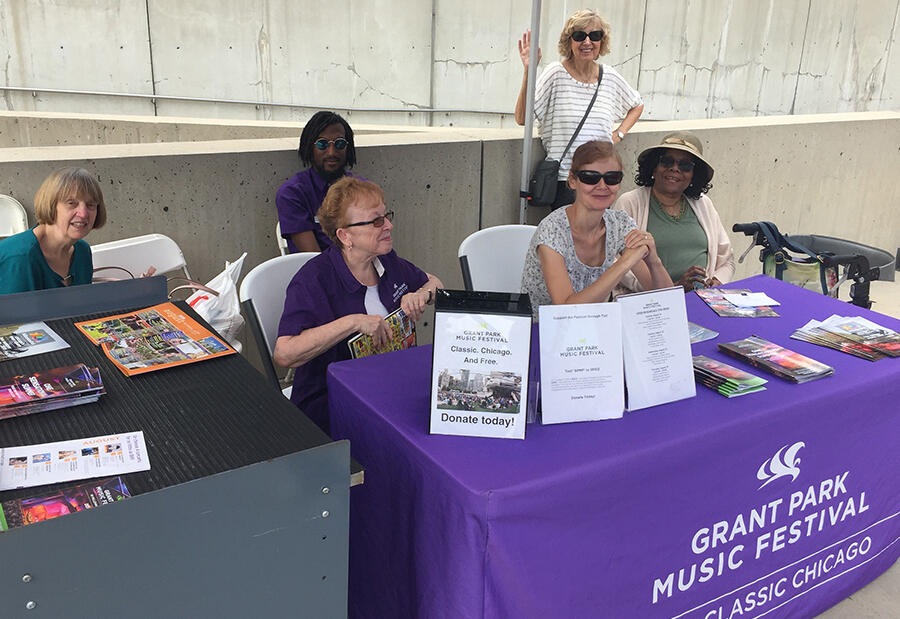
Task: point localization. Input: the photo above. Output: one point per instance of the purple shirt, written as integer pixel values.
(298, 200)
(323, 290)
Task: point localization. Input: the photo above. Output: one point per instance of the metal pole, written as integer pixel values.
(529, 104)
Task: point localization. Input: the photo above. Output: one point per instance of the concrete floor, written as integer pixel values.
(881, 599)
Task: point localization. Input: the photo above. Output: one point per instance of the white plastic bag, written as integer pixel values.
(222, 312)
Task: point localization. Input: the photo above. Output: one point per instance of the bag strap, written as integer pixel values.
(584, 118)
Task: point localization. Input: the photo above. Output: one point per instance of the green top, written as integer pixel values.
(680, 241)
(23, 267)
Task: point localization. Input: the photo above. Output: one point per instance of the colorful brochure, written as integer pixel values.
(715, 298)
(21, 512)
(25, 340)
(49, 390)
(84, 458)
(701, 334)
(403, 336)
(725, 379)
(154, 338)
(779, 361)
(862, 331)
(813, 333)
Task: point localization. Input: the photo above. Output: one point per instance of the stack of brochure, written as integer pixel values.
(49, 390)
(853, 335)
(717, 300)
(727, 380)
(21, 512)
(776, 360)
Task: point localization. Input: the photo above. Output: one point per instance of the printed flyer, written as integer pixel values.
(581, 362)
(21, 512)
(658, 365)
(480, 372)
(34, 338)
(52, 463)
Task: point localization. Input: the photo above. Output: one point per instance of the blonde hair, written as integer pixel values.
(581, 20)
(68, 183)
(346, 191)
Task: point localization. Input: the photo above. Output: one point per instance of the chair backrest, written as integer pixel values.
(13, 218)
(282, 242)
(139, 253)
(493, 258)
(266, 286)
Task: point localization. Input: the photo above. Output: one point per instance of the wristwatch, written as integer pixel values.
(620, 134)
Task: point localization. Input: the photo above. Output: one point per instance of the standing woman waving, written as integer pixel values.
(564, 91)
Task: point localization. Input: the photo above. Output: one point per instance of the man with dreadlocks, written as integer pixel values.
(327, 150)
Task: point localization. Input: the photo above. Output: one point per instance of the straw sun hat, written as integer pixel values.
(680, 140)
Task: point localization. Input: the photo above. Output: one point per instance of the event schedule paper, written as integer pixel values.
(50, 463)
(657, 345)
(581, 362)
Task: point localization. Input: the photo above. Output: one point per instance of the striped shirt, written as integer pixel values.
(560, 101)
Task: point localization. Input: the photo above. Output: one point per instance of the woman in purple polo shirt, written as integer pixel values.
(347, 289)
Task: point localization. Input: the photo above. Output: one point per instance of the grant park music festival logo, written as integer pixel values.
(785, 462)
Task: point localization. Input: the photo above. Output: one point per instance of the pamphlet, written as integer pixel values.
(701, 334)
(25, 340)
(403, 336)
(21, 512)
(581, 362)
(862, 331)
(727, 380)
(49, 390)
(779, 361)
(813, 333)
(716, 300)
(154, 338)
(52, 463)
(657, 348)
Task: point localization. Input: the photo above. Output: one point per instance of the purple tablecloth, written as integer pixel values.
(659, 514)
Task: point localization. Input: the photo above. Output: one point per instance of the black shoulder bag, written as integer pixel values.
(542, 186)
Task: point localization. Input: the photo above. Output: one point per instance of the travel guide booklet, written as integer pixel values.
(49, 390)
(726, 379)
(813, 333)
(25, 340)
(779, 361)
(83, 458)
(21, 512)
(716, 300)
(862, 331)
(403, 336)
(154, 338)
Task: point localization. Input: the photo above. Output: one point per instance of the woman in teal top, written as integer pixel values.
(68, 206)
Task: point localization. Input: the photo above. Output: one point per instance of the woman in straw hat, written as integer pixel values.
(671, 203)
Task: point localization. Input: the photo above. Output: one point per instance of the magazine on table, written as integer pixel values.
(813, 333)
(403, 336)
(700, 334)
(716, 300)
(862, 331)
(154, 338)
(726, 379)
(49, 390)
(21, 512)
(83, 458)
(25, 340)
(777, 360)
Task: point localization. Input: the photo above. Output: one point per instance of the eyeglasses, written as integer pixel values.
(581, 35)
(378, 222)
(685, 165)
(592, 177)
(339, 144)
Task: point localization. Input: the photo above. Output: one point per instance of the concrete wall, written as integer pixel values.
(697, 59)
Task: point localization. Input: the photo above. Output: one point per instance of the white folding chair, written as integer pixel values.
(13, 218)
(137, 254)
(493, 259)
(282, 242)
(262, 296)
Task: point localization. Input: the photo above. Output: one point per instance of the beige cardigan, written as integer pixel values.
(720, 256)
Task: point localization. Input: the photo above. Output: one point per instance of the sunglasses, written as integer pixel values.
(592, 177)
(581, 35)
(378, 222)
(323, 144)
(685, 165)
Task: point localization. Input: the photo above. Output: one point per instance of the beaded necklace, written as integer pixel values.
(681, 211)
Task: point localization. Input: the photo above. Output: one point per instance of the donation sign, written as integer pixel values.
(581, 362)
(657, 348)
(479, 383)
